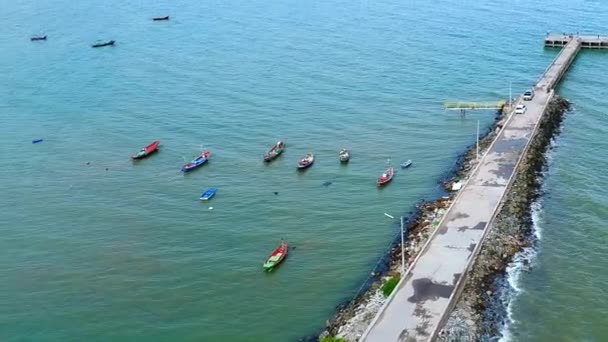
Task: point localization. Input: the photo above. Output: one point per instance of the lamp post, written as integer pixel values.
(402, 250)
(402, 245)
(477, 145)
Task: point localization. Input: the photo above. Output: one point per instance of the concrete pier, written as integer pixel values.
(422, 300)
(587, 41)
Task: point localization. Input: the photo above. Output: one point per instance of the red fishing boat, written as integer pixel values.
(146, 151)
(276, 257)
(386, 177)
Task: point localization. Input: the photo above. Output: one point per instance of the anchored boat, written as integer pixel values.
(274, 151)
(160, 18)
(210, 192)
(386, 177)
(406, 164)
(198, 161)
(146, 151)
(111, 42)
(276, 257)
(307, 161)
(344, 156)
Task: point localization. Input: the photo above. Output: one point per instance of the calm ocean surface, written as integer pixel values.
(129, 253)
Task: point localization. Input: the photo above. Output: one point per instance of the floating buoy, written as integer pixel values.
(37, 140)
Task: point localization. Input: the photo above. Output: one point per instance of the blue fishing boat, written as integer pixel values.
(208, 194)
(200, 160)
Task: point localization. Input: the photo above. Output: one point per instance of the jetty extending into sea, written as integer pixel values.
(418, 307)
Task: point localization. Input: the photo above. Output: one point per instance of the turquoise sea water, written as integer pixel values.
(564, 288)
(129, 253)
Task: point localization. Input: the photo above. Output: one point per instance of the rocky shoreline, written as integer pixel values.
(478, 315)
(352, 319)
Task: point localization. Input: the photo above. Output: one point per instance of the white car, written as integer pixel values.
(520, 109)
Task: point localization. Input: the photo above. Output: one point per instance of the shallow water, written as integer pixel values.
(122, 250)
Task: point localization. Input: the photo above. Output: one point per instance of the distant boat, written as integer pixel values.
(344, 155)
(208, 194)
(146, 151)
(38, 38)
(386, 177)
(160, 18)
(276, 257)
(198, 161)
(274, 151)
(111, 42)
(307, 161)
(406, 164)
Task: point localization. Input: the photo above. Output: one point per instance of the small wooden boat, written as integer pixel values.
(406, 164)
(146, 151)
(344, 155)
(208, 194)
(111, 42)
(307, 161)
(37, 140)
(274, 151)
(386, 177)
(160, 18)
(198, 161)
(276, 257)
(38, 38)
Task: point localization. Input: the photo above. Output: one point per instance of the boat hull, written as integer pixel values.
(146, 151)
(386, 177)
(276, 257)
(208, 194)
(274, 151)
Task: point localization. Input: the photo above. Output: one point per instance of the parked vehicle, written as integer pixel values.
(529, 95)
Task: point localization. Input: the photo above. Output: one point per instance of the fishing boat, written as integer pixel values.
(386, 177)
(208, 194)
(160, 18)
(406, 164)
(38, 38)
(276, 257)
(146, 151)
(344, 155)
(274, 151)
(111, 42)
(307, 161)
(196, 162)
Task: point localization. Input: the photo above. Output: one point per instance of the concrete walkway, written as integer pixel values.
(421, 300)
